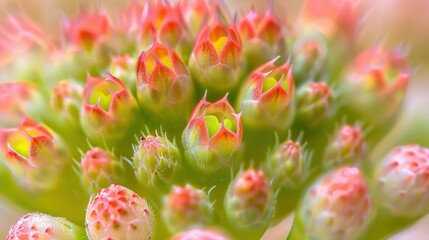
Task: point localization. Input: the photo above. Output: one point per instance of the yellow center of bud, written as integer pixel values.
(20, 143)
(103, 94)
(220, 43)
(162, 56)
(269, 82)
(213, 124)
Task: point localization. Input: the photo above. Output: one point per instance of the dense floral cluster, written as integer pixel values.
(184, 121)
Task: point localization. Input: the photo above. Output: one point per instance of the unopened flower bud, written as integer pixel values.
(185, 207)
(41, 226)
(262, 37)
(403, 179)
(118, 213)
(248, 203)
(216, 57)
(107, 108)
(155, 160)
(34, 155)
(285, 165)
(266, 98)
(346, 147)
(164, 86)
(212, 136)
(337, 206)
(100, 169)
(314, 103)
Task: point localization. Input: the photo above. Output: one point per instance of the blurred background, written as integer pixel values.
(390, 22)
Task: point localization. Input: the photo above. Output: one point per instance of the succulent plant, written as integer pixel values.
(181, 121)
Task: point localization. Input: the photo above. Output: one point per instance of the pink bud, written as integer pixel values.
(100, 169)
(248, 201)
(346, 147)
(186, 206)
(118, 213)
(337, 206)
(403, 180)
(39, 226)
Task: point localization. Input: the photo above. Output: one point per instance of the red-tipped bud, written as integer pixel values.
(216, 57)
(100, 169)
(346, 147)
(118, 213)
(286, 164)
(262, 37)
(33, 154)
(164, 23)
(163, 81)
(376, 80)
(212, 135)
(155, 160)
(107, 108)
(403, 180)
(40, 226)
(266, 98)
(248, 203)
(338, 206)
(185, 207)
(15, 94)
(86, 29)
(197, 234)
(314, 101)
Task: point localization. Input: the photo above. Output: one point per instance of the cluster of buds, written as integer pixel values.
(244, 105)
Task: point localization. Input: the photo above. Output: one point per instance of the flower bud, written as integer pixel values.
(248, 203)
(107, 108)
(212, 135)
(35, 157)
(86, 29)
(376, 80)
(163, 82)
(314, 100)
(15, 94)
(262, 37)
(41, 226)
(66, 99)
(309, 57)
(185, 207)
(346, 147)
(285, 165)
(403, 179)
(100, 169)
(266, 98)
(216, 57)
(118, 213)
(198, 234)
(155, 160)
(337, 206)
